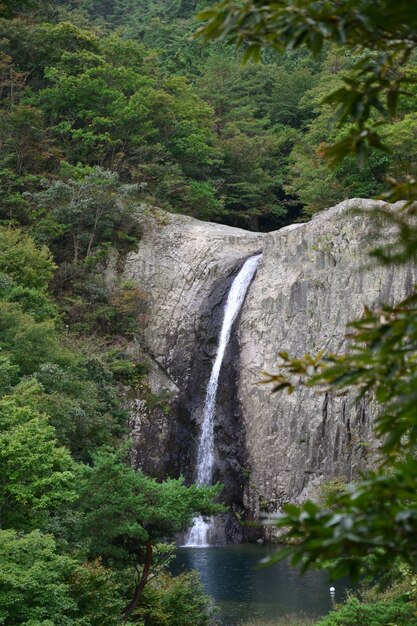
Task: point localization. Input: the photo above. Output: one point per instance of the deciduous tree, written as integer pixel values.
(126, 512)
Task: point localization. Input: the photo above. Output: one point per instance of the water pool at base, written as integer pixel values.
(245, 592)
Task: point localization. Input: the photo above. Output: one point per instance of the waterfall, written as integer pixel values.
(198, 535)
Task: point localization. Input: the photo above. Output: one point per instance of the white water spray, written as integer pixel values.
(198, 534)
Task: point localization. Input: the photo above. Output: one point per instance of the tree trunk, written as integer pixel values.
(93, 234)
(75, 243)
(141, 583)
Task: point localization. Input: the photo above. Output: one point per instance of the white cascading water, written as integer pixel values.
(198, 534)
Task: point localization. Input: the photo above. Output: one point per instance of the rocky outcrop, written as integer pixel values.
(184, 265)
(313, 278)
(185, 268)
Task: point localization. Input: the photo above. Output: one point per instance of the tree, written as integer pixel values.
(177, 601)
(126, 512)
(98, 593)
(90, 210)
(384, 33)
(11, 81)
(31, 300)
(8, 8)
(253, 142)
(22, 260)
(26, 342)
(34, 577)
(24, 140)
(309, 175)
(36, 474)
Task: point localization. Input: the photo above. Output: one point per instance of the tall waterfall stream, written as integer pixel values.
(198, 536)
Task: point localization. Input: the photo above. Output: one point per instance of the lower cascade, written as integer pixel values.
(198, 535)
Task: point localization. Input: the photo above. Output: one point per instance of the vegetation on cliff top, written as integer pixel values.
(122, 86)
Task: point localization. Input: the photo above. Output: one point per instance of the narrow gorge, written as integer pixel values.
(312, 279)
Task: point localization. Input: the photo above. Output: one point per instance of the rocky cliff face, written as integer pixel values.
(185, 267)
(311, 281)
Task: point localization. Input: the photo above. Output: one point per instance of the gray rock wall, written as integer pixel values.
(311, 281)
(185, 268)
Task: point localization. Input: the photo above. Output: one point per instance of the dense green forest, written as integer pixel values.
(108, 107)
(122, 86)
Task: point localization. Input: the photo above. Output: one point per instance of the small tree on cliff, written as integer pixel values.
(85, 211)
(126, 512)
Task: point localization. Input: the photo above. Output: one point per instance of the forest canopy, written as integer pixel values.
(123, 86)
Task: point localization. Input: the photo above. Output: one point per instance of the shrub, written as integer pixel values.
(21, 259)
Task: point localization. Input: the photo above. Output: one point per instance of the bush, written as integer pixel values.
(34, 302)
(23, 261)
(176, 601)
(380, 613)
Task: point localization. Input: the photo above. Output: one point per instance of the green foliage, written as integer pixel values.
(95, 124)
(36, 475)
(374, 614)
(23, 261)
(98, 594)
(108, 101)
(196, 131)
(31, 300)
(92, 128)
(382, 34)
(8, 374)
(26, 142)
(14, 207)
(83, 410)
(58, 394)
(11, 7)
(200, 198)
(34, 585)
(124, 512)
(92, 307)
(179, 601)
(123, 508)
(286, 620)
(29, 343)
(75, 388)
(331, 489)
(89, 210)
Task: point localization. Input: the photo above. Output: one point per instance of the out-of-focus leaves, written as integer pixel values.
(370, 518)
(382, 361)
